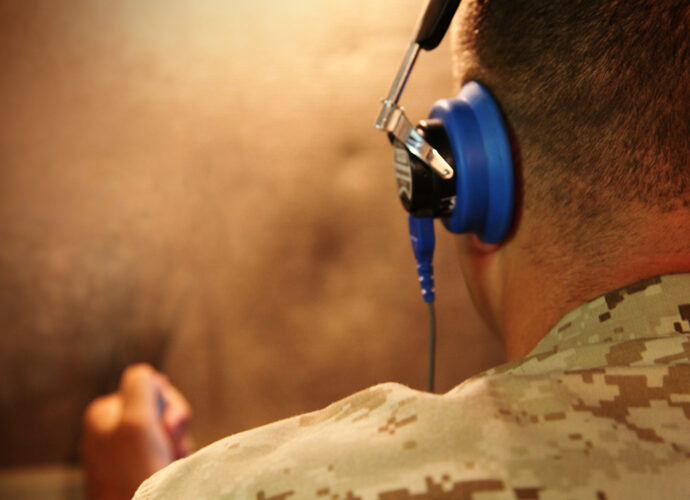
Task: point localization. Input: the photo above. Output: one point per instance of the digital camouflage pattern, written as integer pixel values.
(600, 409)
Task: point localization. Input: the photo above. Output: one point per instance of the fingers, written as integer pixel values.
(140, 389)
(175, 418)
(151, 402)
(141, 424)
(184, 446)
(177, 411)
(132, 433)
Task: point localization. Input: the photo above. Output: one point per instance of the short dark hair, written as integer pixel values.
(597, 93)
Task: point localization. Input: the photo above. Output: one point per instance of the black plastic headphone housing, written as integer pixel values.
(422, 192)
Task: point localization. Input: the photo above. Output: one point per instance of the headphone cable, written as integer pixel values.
(423, 241)
(432, 346)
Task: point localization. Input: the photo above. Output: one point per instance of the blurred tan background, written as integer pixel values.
(198, 184)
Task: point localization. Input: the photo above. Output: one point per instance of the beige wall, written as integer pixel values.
(199, 185)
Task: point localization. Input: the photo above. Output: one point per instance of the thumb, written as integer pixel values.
(140, 388)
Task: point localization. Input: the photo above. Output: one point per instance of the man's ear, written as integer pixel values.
(479, 247)
(481, 265)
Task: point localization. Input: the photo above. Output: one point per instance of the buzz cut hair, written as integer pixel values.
(596, 96)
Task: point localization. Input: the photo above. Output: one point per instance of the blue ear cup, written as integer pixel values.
(483, 163)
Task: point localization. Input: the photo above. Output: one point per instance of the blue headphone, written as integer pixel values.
(468, 131)
(457, 164)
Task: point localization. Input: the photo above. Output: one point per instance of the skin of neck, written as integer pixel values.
(524, 286)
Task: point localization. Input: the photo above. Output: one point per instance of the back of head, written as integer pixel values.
(596, 95)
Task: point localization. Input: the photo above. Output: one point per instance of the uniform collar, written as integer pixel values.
(654, 307)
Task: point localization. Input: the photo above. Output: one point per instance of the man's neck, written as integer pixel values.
(536, 296)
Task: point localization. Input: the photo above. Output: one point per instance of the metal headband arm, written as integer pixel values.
(431, 28)
(392, 119)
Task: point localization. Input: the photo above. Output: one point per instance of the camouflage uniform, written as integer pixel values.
(600, 409)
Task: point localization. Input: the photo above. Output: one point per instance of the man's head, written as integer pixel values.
(595, 94)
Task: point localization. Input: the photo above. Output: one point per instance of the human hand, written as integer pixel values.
(130, 434)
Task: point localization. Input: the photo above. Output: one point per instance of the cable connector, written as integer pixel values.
(423, 241)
